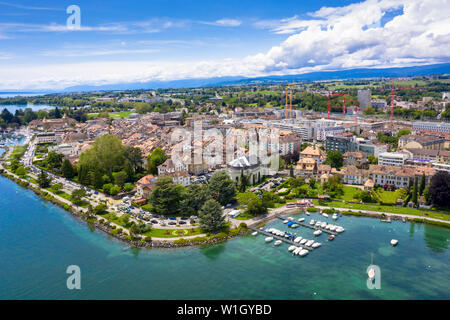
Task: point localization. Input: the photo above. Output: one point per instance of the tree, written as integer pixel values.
(371, 158)
(334, 159)
(291, 171)
(256, 207)
(43, 179)
(193, 198)
(222, 188)
(107, 188)
(166, 196)
(54, 160)
(120, 178)
(134, 155)
(77, 195)
(67, 170)
(211, 219)
(403, 132)
(57, 187)
(422, 184)
(414, 192)
(20, 171)
(156, 158)
(100, 209)
(244, 182)
(439, 189)
(115, 190)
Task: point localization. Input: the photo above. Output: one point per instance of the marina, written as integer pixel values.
(313, 227)
(273, 236)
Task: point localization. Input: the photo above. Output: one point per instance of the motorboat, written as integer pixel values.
(303, 241)
(254, 233)
(325, 215)
(303, 252)
(323, 224)
(301, 219)
(307, 213)
(285, 221)
(309, 243)
(287, 235)
(331, 238)
(394, 242)
(298, 239)
(294, 226)
(332, 228)
(335, 216)
(316, 244)
(292, 248)
(317, 232)
(339, 229)
(296, 251)
(312, 222)
(269, 239)
(318, 224)
(290, 219)
(277, 243)
(371, 273)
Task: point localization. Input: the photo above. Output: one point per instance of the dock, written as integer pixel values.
(310, 226)
(281, 238)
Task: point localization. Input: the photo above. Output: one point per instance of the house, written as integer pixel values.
(352, 175)
(170, 166)
(306, 167)
(289, 143)
(399, 176)
(355, 158)
(145, 186)
(412, 141)
(313, 152)
(179, 177)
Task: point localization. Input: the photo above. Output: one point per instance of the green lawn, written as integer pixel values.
(349, 193)
(113, 115)
(390, 196)
(173, 233)
(389, 209)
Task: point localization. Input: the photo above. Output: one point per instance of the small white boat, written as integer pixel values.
(303, 241)
(335, 216)
(277, 243)
(318, 224)
(298, 239)
(316, 245)
(328, 226)
(312, 222)
(332, 228)
(285, 221)
(292, 248)
(269, 239)
(317, 232)
(307, 213)
(286, 236)
(296, 251)
(394, 242)
(309, 243)
(323, 224)
(290, 219)
(303, 252)
(254, 233)
(301, 219)
(325, 215)
(339, 229)
(294, 226)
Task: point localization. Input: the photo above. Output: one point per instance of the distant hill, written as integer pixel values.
(312, 76)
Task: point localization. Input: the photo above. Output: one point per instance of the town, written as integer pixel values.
(189, 165)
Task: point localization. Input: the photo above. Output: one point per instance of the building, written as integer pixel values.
(144, 186)
(379, 104)
(289, 143)
(398, 176)
(341, 143)
(372, 148)
(412, 141)
(306, 167)
(47, 137)
(170, 166)
(431, 126)
(392, 158)
(248, 166)
(179, 177)
(313, 152)
(364, 99)
(323, 133)
(427, 156)
(355, 158)
(352, 175)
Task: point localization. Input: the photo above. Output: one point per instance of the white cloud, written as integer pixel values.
(333, 39)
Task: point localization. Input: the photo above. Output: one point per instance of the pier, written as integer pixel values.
(281, 238)
(310, 226)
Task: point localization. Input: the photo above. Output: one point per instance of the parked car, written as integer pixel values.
(172, 223)
(182, 222)
(154, 221)
(172, 218)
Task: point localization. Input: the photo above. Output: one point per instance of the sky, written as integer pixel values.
(137, 41)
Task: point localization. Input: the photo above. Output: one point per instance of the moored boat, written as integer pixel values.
(303, 241)
(312, 222)
(303, 252)
(277, 243)
(394, 242)
(292, 248)
(298, 239)
(317, 232)
(331, 238)
(325, 215)
(254, 233)
(301, 219)
(316, 245)
(269, 239)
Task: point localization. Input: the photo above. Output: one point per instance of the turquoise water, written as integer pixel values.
(39, 240)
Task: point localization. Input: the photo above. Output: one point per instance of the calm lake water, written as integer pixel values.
(39, 240)
(35, 107)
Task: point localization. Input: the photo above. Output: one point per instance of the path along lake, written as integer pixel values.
(39, 241)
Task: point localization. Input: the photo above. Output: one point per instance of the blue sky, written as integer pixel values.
(129, 41)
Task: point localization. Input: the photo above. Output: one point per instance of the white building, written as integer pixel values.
(47, 137)
(431, 126)
(251, 168)
(323, 133)
(392, 158)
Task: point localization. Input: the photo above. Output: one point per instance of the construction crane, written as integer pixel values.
(288, 107)
(393, 88)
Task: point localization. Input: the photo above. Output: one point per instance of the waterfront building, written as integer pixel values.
(412, 141)
(352, 175)
(144, 186)
(248, 166)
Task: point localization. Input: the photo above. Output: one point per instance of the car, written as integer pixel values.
(154, 221)
(172, 218)
(172, 223)
(184, 218)
(182, 222)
